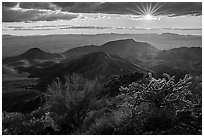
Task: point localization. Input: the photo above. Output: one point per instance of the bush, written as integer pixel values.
(19, 124)
(161, 94)
(70, 102)
(11, 118)
(161, 102)
(147, 106)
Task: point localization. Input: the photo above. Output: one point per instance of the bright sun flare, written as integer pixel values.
(148, 17)
(148, 11)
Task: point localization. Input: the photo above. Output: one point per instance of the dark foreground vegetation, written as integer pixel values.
(128, 104)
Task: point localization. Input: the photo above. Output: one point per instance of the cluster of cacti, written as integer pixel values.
(162, 93)
(146, 106)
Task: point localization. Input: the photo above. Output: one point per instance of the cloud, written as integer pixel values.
(167, 8)
(25, 15)
(9, 4)
(53, 27)
(34, 5)
(85, 27)
(38, 5)
(78, 7)
(67, 26)
(54, 15)
(48, 11)
(182, 8)
(65, 4)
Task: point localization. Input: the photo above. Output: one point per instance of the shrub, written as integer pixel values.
(71, 101)
(161, 103)
(19, 124)
(11, 118)
(147, 106)
(161, 93)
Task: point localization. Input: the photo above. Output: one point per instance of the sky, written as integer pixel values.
(45, 18)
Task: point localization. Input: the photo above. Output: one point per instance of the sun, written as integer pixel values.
(148, 10)
(148, 17)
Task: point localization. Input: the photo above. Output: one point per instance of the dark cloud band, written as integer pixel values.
(167, 8)
(9, 4)
(34, 14)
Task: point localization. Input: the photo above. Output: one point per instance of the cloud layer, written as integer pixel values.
(64, 26)
(48, 11)
(11, 12)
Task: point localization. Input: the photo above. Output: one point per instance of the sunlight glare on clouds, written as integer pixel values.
(148, 17)
(18, 14)
(148, 21)
(97, 24)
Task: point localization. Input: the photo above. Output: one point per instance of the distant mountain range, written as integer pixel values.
(179, 60)
(15, 45)
(183, 54)
(124, 48)
(112, 58)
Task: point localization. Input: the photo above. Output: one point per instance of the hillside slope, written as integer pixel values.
(92, 65)
(124, 47)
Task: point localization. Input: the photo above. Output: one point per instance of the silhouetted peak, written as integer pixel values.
(122, 41)
(125, 42)
(36, 53)
(34, 50)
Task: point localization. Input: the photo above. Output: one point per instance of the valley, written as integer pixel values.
(28, 77)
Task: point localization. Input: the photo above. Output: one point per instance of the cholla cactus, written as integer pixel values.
(162, 93)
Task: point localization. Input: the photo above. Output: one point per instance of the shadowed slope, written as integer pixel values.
(124, 47)
(92, 65)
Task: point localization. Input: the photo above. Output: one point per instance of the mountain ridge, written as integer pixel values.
(90, 66)
(123, 47)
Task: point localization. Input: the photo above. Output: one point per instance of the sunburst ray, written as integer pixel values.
(148, 10)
